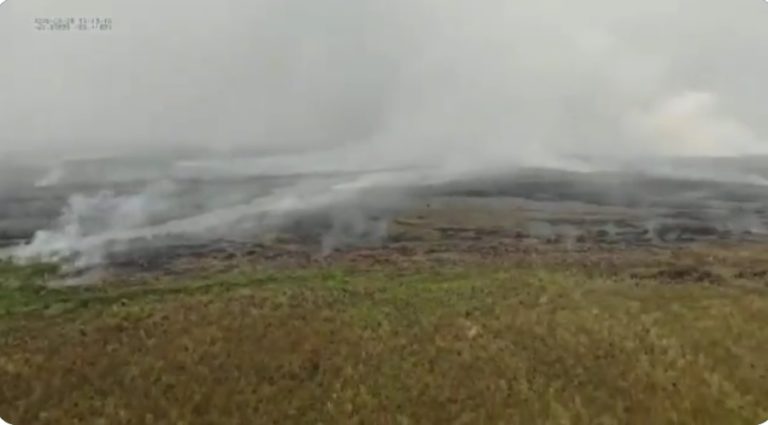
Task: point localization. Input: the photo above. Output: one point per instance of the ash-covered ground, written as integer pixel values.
(149, 215)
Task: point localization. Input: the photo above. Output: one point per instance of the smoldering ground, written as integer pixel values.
(155, 221)
(209, 119)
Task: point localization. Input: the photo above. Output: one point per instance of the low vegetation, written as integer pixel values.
(401, 345)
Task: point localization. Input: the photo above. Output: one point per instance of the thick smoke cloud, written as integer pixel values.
(424, 78)
(447, 87)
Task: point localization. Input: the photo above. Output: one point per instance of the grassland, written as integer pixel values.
(426, 342)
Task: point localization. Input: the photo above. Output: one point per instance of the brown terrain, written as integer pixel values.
(531, 303)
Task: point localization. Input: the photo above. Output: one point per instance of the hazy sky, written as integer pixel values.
(468, 85)
(457, 80)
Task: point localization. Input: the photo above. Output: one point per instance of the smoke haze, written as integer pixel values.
(411, 79)
(439, 90)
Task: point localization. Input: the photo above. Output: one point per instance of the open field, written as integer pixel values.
(383, 212)
(581, 339)
(552, 299)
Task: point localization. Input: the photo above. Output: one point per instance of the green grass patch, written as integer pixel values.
(474, 344)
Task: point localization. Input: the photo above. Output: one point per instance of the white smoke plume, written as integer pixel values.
(429, 90)
(690, 124)
(92, 227)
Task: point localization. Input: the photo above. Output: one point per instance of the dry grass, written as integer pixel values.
(470, 344)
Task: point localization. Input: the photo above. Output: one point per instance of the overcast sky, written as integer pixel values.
(453, 79)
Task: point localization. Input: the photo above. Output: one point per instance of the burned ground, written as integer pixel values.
(531, 304)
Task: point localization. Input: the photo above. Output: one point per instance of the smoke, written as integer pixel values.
(691, 124)
(92, 227)
(342, 97)
(425, 80)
